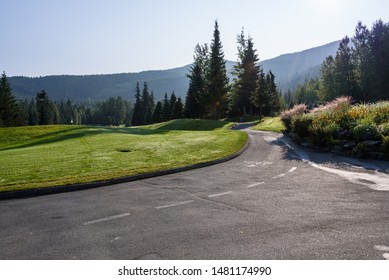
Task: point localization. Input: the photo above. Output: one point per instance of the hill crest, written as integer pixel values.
(289, 69)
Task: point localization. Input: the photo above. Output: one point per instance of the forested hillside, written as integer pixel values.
(101, 87)
(289, 70)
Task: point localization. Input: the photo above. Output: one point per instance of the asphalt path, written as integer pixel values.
(275, 201)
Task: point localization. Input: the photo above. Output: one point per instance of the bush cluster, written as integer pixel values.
(360, 130)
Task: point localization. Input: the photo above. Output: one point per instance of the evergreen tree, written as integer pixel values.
(149, 110)
(9, 109)
(361, 61)
(56, 115)
(33, 118)
(172, 103)
(178, 110)
(165, 109)
(379, 61)
(272, 92)
(137, 117)
(359, 71)
(328, 88)
(214, 98)
(260, 97)
(146, 105)
(344, 74)
(247, 75)
(307, 93)
(193, 106)
(289, 99)
(44, 109)
(157, 116)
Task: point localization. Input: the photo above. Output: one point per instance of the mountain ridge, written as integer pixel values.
(289, 69)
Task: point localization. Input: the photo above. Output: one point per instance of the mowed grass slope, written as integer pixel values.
(43, 156)
(270, 124)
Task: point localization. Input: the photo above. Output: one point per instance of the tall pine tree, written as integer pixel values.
(9, 109)
(193, 105)
(246, 74)
(44, 108)
(166, 111)
(215, 95)
(137, 117)
(147, 105)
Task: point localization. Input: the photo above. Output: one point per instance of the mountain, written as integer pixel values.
(294, 68)
(289, 69)
(100, 87)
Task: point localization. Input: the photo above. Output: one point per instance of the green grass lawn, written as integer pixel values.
(43, 156)
(270, 124)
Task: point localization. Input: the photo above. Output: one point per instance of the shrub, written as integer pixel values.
(286, 116)
(366, 131)
(334, 111)
(385, 144)
(380, 112)
(300, 125)
(339, 104)
(323, 135)
(384, 129)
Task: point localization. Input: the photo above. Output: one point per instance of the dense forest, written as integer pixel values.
(360, 69)
(113, 111)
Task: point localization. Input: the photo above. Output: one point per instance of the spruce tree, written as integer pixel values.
(273, 94)
(147, 105)
(137, 117)
(157, 116)
(361, 60)
(247, 75)
(379, 61)
(327, 88)
(44, 108)
(172, 103)
(193, 106)
(178, 110)
(344, 74)
(9, 109)
(165, 116)
(260, 97)
(217, 86)
(33, 118)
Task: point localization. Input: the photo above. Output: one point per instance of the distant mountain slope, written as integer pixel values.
(100, 87)
(289, 69)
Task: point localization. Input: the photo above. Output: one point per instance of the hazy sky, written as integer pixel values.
(49, 37)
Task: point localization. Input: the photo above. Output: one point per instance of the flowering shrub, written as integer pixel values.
(339, 122)
(287, 116)
(334, 111)
(323, 135)
(300, 125)
(340, 104)
(364, 132)
(384, 129)
(380, 112)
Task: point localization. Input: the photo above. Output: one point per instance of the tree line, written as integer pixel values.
(211, 96)
(43, 111)
(115, 111)
(147, 112)
(360, 69)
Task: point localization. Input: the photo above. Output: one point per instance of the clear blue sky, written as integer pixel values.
(49, 37)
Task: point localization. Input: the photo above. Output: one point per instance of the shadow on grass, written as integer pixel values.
(80, 132)
(190, 125)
